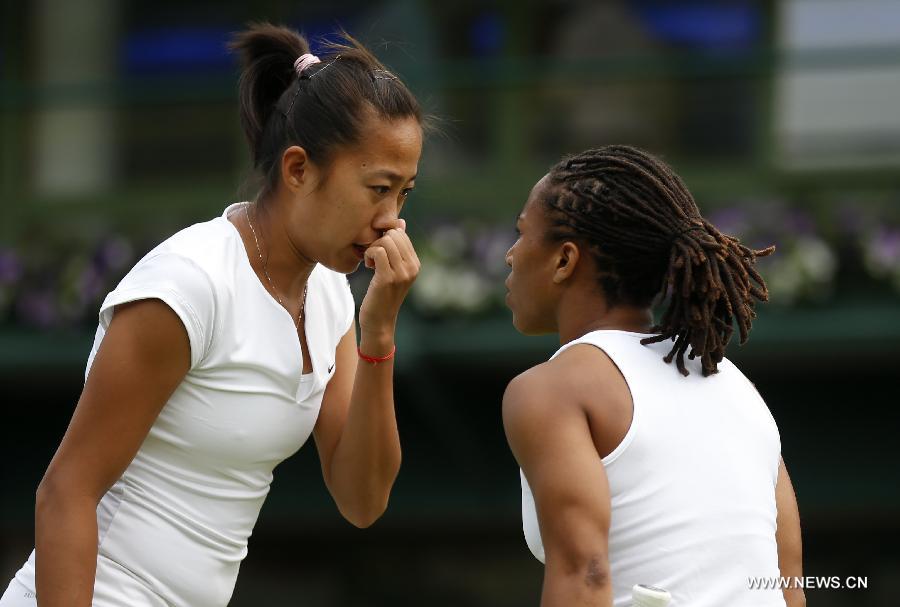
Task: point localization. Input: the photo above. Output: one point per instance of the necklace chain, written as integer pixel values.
(265, 266)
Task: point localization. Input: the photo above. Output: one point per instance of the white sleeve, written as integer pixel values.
(182, 285)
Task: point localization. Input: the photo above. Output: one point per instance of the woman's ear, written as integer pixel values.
(295, 167)
(567, 258)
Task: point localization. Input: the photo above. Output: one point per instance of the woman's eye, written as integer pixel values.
(406, 192)
(381, 189)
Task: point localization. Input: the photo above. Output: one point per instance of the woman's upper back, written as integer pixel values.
(692, 481)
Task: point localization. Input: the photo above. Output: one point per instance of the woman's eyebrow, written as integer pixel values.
(391, 175)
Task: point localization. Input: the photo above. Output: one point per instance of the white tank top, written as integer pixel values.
(692, 484)
(174, 528)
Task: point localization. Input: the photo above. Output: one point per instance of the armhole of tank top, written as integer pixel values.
(769, 418)
(629, 435)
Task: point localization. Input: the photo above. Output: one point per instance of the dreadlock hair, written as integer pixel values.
(648, 240)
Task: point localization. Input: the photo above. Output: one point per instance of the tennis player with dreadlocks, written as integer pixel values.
(635, 471)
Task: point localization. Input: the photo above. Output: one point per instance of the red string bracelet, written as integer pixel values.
(375, 360)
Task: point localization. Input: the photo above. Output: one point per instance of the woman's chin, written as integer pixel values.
(518, 324)
(351, 267)
(531, 329)
(344, 264)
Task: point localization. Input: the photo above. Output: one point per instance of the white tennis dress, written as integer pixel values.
(174, 528)
(692, 484)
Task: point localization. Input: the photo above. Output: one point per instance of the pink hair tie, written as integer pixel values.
(304, 61)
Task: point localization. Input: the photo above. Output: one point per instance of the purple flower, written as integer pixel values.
(885, 247)
(732, 220)
(115, 253)
(799, 223)
(489, 248)
(10, 267)
(90, 284)
(37, 308)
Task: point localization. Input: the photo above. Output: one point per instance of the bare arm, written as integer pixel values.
(143, 357)
(787, 535)
(549, 435)
(356, 433)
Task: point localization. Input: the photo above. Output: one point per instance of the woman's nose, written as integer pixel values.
(387, 220)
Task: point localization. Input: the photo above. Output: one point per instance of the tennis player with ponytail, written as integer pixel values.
(635, 471)
(234, 340)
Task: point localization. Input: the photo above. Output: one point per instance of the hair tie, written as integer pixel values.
(304, 61)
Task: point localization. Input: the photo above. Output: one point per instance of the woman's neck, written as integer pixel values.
(574, 323)
(288, 268)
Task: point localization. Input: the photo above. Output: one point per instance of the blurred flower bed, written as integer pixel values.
(848, 249)
(49, 285)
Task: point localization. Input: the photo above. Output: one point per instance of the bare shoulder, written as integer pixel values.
(580, 373)
(533, 393)
(582, 383)
(542, 396)
(587, 362)
(537, 408)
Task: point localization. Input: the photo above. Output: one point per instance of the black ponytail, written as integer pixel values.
(267, 54)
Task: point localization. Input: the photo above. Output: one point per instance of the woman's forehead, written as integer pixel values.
(389, 146)
(537, 194)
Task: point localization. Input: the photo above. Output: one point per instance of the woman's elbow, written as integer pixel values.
(589, 568)
(54, 494)
(46, 496)
(363, 515)
(49, 501)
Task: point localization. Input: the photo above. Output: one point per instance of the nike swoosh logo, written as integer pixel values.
(331, 367)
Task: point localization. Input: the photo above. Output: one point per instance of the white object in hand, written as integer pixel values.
(649, 596)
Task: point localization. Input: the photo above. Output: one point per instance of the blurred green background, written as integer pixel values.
(118, 126)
